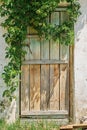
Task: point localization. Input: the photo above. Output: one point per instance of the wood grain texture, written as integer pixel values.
(64, 53)
(45, 62)
(54, 76)
(44, 49)
(45, 95)
(54, 87)
(34, 87)
(25, 88)
(46, 115)
(54, 50)
(27, 49)
(55, 18)
(45, 88)
(34, 48)
(63, 87)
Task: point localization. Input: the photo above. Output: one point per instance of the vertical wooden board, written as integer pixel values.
(25, 89)
(34, 48)
(54, 77)
(44, 49)
(64, 87)
(54, 46)
(54, 87)
(45, 92)
(64, 52)
(54, 50)
(64, 17)
(44, 105)
(55, 18)
(34, 87)
(27, 49)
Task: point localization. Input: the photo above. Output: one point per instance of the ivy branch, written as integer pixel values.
(21, 14)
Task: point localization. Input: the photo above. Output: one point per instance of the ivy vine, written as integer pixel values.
(19, 15)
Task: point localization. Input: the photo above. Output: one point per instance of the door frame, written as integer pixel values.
(71, 83)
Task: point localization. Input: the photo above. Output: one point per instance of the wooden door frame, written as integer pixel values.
(71, 83)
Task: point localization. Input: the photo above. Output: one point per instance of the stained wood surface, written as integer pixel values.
(54, 87)
(45, 87)
(34, 87)
(63, 86)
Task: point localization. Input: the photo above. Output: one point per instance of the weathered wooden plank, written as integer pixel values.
(63, 4)
(54, 87)
(45, 92)
(55, 18)
(25, 88)
(44, 49)
(59, 9)
(71, 80)
(68, 127)
(34, 87)
(54, 68)
(44, 77)
(64, 52)
(64, 91)
(27, 49)
(34, 48)
(31, 62)
(47, 114)
(54, 51)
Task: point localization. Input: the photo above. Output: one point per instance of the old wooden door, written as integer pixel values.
(45, 75)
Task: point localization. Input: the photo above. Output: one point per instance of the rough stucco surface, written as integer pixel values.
(80, 67)
(80, 64)
(10, 112)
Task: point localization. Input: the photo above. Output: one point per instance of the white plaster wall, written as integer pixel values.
(10, 112)
(80, 63)
(3, 61)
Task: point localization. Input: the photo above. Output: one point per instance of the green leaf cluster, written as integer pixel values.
(21, 14)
